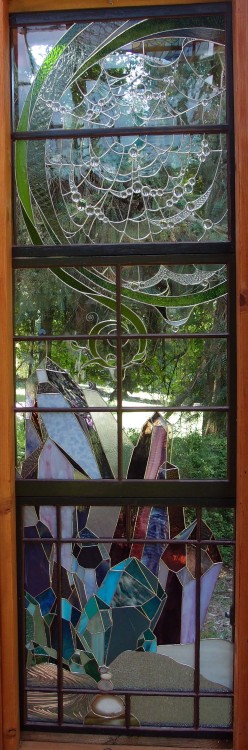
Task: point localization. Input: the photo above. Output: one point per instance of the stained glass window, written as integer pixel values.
(124, 369)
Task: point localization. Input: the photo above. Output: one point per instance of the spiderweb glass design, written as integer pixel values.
(146, 187)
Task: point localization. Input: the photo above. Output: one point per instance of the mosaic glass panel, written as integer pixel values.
(125, 617)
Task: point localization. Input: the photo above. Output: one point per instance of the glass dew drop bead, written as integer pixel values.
(76, 197)
(207, 224)
(94, 162)
(133, 152)
(137, 187)
(89, 210)
(188, 188)
(178, 192)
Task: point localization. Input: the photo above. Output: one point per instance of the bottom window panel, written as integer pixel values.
(216, 712)
(125, 615)
(42, 707)
(163, 711)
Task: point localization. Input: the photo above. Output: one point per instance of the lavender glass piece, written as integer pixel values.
(30, 516)
(90, 582)
(49, 518)
(208, 582)
(33, 440)
(157, 454)
(103, 521)
(158, 528)
(188, 612)
(53, 464)
(65, 430)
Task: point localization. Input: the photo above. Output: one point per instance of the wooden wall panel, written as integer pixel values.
(8, 599)
(241, 127)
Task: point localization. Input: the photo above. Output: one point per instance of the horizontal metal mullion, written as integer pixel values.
(142, 492)
(142, 730)
(65, 134)
(68, 256)
(114, 408)
(123, 337)
(146, 693)
(84, 542)
(109, 13)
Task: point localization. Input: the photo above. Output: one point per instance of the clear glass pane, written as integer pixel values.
(199, 447)
(175, 298)
(89, 363)
(156, 71)
(64, 302)
(144, 188)
(174, 372)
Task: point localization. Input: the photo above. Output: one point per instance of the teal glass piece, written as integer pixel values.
(46, 600)
(151, 607)
(29, 626)
(97, 646)
(91, 607)
(130, 588)
(67, 640)
(146, 579)
(82, 623)
(147, 642)
(31, 609)
(108, 587)
(66, 610)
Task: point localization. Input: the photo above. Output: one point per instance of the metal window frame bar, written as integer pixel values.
(189, 492)
(103, 14)
(62, 134)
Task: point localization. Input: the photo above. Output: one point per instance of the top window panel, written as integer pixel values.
(153, 72)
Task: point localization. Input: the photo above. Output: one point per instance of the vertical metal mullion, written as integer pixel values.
(232, 375)
(118, 271)
(197, 618)
(127, 711)
(128, 523)
(22, 612)
(230, 123)
(59, 620)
